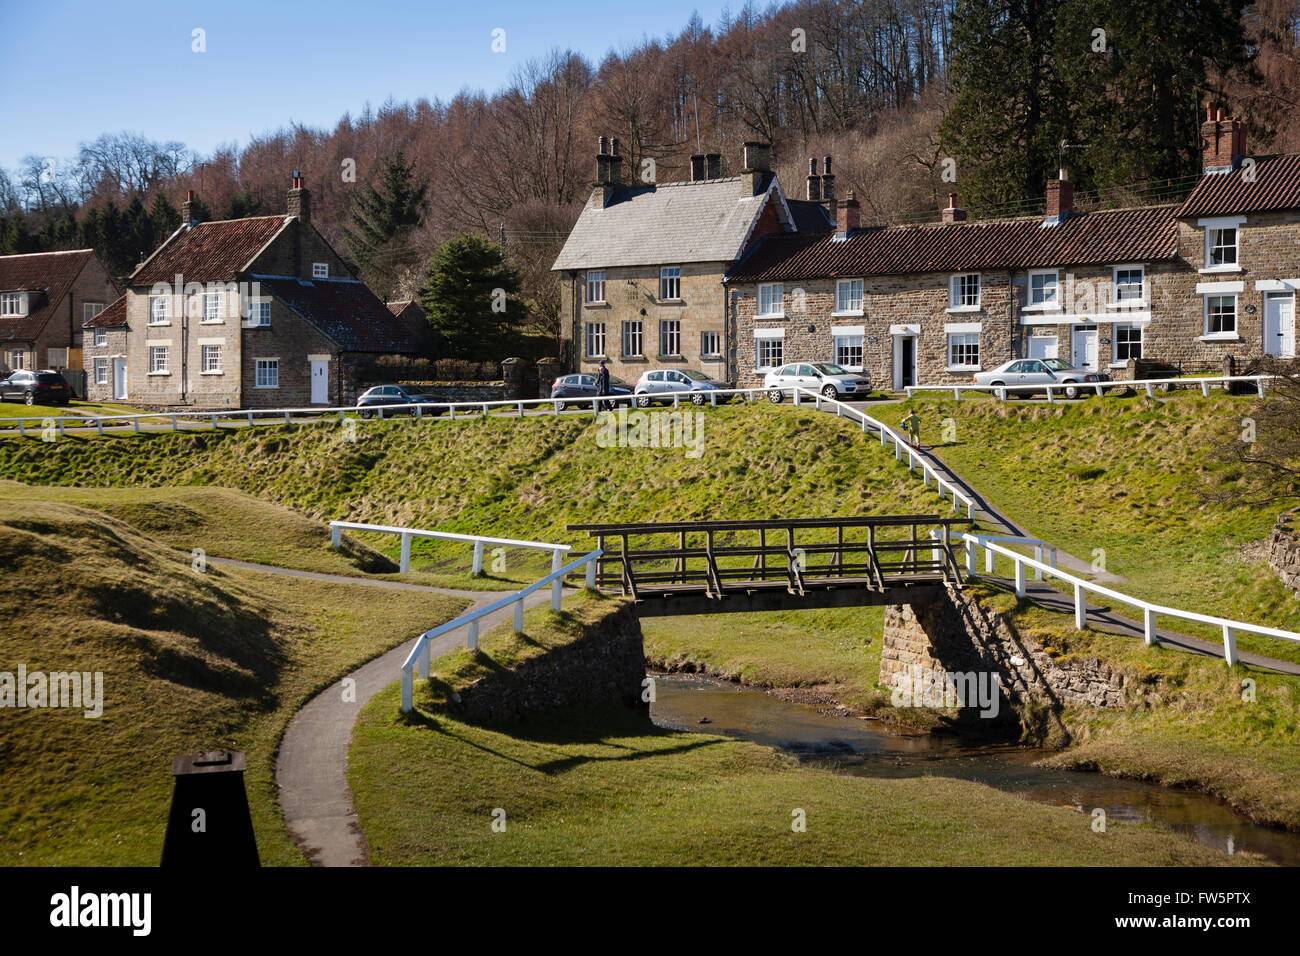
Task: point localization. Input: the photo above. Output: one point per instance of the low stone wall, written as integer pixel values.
(1284, 552)
(606, 664)
(957, 634)
(466, 391)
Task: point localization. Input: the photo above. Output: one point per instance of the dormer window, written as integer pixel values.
(1221, 244)
(320, 270)
(13, 303)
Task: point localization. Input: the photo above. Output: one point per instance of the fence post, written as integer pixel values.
(591, 573)
(989, 558)
(1148, 626)
(1038, 556)
(934, 552)
(970, 556)
(1205, 389)
(557, 586)
(797, 400)
(1080, 607)
(1229, 645)
(478, 559)
(519, 616)
(22, 429)
(406, 692)
(174, 423)
(405, 562)
(336, 535)
(471, 639)
(425, 653)
(99, 426)
(1020, 578)
(60, 421)
(136, 422)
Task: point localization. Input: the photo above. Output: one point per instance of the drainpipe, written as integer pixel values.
(1014, 341)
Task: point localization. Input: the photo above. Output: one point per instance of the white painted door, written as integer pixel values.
(1042, 346)
(1279, 324)
(1085, 349)
(904, 361)
(119, 379)
(320, 383)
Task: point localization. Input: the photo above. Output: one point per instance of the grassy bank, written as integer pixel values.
(190, 661)
(603, 786)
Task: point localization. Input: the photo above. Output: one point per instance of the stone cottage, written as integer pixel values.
(45, 297)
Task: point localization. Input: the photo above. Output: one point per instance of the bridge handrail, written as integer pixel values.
(1204, 381)
(1149, 609)
(420, 653)
(478, 540)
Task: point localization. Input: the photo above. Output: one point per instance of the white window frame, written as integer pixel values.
(595, 283)
(1118, 303)
(49, 358)
(594, 339)
(633, 329)
(212, 308)
(1213, 227)
(13, 303)
(670, 332)
(771, 300)
(763, 347)
(266, 373)
(99, 336)
(957, 294)
(90, 309)
(848, 292)
(670, 283)
(1139, 328)
(17, 359)
(256, 307)
(160, 310)
(1221, 335)
(965, 344)
(320, 270)
(707, 338)
(851, 337)
(101, 371)
(159, 359)
(205, 353)
(1045, 304)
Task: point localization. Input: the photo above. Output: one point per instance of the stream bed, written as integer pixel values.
(868, 748)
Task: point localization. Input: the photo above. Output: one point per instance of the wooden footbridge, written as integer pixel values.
(703, 567)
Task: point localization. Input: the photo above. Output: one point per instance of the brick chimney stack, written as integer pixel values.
(757, 164)
(697, 168)
(299, 199)
(713, 165)
(814, 181)
(828, 183)
(952, 213)
(848, 216)
(187, 209)
(1060, 198)
(1223, 141)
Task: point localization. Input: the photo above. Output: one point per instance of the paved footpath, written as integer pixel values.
(312, 766)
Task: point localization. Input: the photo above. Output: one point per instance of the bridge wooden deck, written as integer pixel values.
(700, 567)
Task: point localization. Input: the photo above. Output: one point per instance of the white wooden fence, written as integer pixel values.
(421, 653)
(558, 551)
(1001, 391)
(1083, 588)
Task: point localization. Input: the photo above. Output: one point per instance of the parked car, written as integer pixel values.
(831, 380)
(658, 385)
(371, 401)
(583, 385)
(46, 387)
(1021, 376)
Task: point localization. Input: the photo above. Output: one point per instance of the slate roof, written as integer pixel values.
(343, 309)
(666, 224)
(50, 273)
(112, 317)
(1125, 235)
(1274, 185)
(809, 216)
(209, 251)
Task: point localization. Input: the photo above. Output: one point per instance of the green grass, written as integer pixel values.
(1124, 475)
(73, 408)
(603, 786)
(191, 661)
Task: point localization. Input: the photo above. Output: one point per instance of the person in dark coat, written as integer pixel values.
(602, 384)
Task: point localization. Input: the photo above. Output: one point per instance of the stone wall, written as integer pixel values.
(606, 664)
(959, 634)
(466, 391)
(1284, 552)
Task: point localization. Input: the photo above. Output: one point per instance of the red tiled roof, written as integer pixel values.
(209, 251)
(110, 318)
(1121, 235)
(1270, 184)
(53, 272)
(345, 310)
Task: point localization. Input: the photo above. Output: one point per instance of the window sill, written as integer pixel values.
(213, 322)
(1219, 337)
(964, 308)
(672, 301)
(849, 314)
(160, 374)
(222, 372)
(1218, 270)
(774, 315)
(963, 368)
(255, 325)
(1137, 305)
(633, 358)
(674, 357)
(1040, 307)
(711, 357)
(158, 325)
(1123, 363)
(266, 386)
(602, 304)
(596, 358)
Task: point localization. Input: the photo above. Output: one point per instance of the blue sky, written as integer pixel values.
(72, 69)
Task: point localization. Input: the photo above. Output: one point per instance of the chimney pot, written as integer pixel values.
(1223, 142)
(849, 216)
(697, 167)
(952, 213)
(812, 165)
(602, 147)
(713, 165)
(299, 205)
(828, 183)
(613, 146)
(814, 181)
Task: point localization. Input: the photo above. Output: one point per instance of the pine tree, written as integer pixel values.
(243, 205)
(470, 298)
(164, 219)
(382, 218)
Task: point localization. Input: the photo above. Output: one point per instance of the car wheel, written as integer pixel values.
(561, 406)
(365, 414)
(775, 395)
(699, 398)
(29, 398)
(830, 392)
(1006, 394)
(1072, 391)
(643, 401)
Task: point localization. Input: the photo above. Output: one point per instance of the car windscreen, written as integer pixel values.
(1056, 365)
(828, 369)
(697, 375)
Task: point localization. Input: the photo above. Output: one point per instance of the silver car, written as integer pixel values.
(1021, 376)
(831, 380)
(658, 385)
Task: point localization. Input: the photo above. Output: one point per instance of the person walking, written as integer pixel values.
(913, 425)
(602, 386)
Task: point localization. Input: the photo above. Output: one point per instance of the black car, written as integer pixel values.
(583, 385)
(36, 388)
(372, 399)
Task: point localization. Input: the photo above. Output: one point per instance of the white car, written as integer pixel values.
(1030, 375)
(829, 379)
